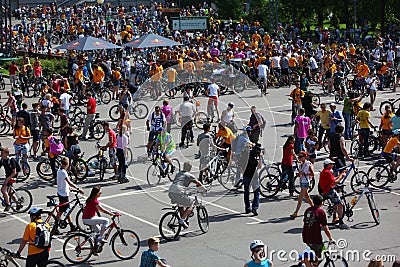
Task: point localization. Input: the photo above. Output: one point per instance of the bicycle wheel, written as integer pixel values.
(140, 111)
(269, 185)
(177, 168)
(54, 263)
(272, 169)
(80, 169)
(102, 169)
(79, 223)
(358, 182)
(79, 119)
(105, 97)
(29, 91)
(382, 106)
(51, 219)
(373, 208)
(297, 186)
(128, 156)
(78, 248)
(44, 171)
(2, 84)
(228, 178)
(114, 113)
(153, 175)
(93, 164)
(98, 130)
(202, 219)
(20, 200)
(378, 175)
(200, 119)
(316, 100)
(24, 173)
(336, 261)
(169, 226)
(355, 148)
(125, 244)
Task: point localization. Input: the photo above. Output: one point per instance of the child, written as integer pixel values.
(149, 257)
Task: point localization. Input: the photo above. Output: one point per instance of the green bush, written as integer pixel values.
(49, 66)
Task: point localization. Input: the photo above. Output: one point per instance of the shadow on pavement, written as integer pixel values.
(363, 225)
(225, 216)
(294, 231)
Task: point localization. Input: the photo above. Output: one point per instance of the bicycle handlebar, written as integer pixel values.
(8, 252)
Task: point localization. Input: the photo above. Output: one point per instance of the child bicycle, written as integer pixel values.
(79, 247)
(7, 256)
(20, 199)
(170, 227)
(161, 168)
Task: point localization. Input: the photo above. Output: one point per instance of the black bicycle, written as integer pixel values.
(7, 256)
(161, 168)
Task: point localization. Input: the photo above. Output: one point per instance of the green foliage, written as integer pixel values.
(51, 66)
(229, 8)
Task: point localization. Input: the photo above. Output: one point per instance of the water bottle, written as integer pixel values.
(66, 212)
(353, 201)
(285, 178)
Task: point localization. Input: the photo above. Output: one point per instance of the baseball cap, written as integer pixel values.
(332, 105)
(328, 161)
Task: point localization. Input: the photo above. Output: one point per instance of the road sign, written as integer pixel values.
(189, 24)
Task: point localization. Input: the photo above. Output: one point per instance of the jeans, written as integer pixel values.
(380, 85)
(347, 125)
(186, 127)
(89, 118)
(24, 148)
(121, 162)
(53, 169)
(364, 136)
(256, 198)
(299, 145)
(290, 173)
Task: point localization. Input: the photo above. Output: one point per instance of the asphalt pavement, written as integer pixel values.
(231, 231)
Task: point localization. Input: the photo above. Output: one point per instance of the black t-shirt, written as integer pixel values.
(251, 167)
(9, 164)
(26, 116)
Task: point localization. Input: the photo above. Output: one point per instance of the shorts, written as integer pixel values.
(333, 196)
(112, 153)
(170, 153)
(389, 157)
(305, 184)
(125, 106)
(170, 85)
(284, 71)
(387, 132)
(180, 199)
(117, 83)
(317, 248)
(62, 199)
(152, 134)
(14, 114)
(35, 135)
(228, 146)
(13, 78)
(213, 99)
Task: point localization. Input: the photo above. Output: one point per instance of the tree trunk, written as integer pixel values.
(382, 15)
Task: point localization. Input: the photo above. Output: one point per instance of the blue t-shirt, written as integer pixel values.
(333, 123)
(396, 122)
(149, 258)
(241, 142)
(264, 263)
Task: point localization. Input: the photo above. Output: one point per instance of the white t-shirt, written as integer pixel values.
(262, 71)
(213, 89)
(372, 83)
(62, 185)
(65, 101)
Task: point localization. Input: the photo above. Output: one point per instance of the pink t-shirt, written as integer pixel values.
(37, 71)
(303, 126)
(167, 110)
(90, 209)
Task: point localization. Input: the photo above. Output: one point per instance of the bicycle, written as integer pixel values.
(348, 207)
(169, 226)
(139, 110)
(215, 169)
(25, 168)
(390, 102)
(160, 168)
(79, 247)
(20, 199)
(375, 142)
(380, 174)
(96, 129)
(7, 256)
(2, 83)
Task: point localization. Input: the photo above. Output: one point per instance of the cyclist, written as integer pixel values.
(324, 126)
(176, 192)
(112, 148)
(337, 148)
(262, 71)
(187, 111)
(287, 162)
(227, 137)
(36, 256)
(389, 152)
(125, 98)
(296, 95)
(228, 117)
(63, 190)
(21, 134)
(154, 121)
(89, 217)
(150, 257)
(91, 114)
(10, 170)
(258, 255)
(213, 91)
(167, 145)
(327, 184)
(363, 117)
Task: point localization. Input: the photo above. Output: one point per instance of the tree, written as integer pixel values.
(229, 8)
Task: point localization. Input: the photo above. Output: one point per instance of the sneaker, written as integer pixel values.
(255, 213)
(181, 144)
(183, 223)
(238, 184)
(293, 215)
(247, 211)
(7, 208)
(343, 226)
(101, 239)
(114, 177)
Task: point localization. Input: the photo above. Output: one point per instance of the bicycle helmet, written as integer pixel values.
(35, 211)
(255, 244)
(247, 128)
(160, 129)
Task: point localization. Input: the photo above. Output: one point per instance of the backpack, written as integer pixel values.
(264, 122)
(17, 166)
(162, 118)
(56, 147)
(43, 236)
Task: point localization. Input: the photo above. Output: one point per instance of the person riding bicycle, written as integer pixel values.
(36, 256)
(258, 255)
(21, 134)
(125, 98)
(167, 145)
(327, 183)
(89, 216)
(227, 137)
(176, 192)
(187, 111)
(262, 71)
(154, 121)
(10, 170)
(390, 152)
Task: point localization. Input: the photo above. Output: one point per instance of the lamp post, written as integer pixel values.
(101, 2)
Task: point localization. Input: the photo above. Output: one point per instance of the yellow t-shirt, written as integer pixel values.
(226, 134)
(324, 118)
(391, 144)
(171, 75)
(385, 122)
(29, 235)
(98, 75)
(363, 117)
(24, 131)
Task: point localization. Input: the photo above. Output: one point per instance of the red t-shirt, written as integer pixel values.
(287, 158)
(326, 181)
(113, 138)
(90, 209)
(92, 104)
(12, 69)
(314, 218)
